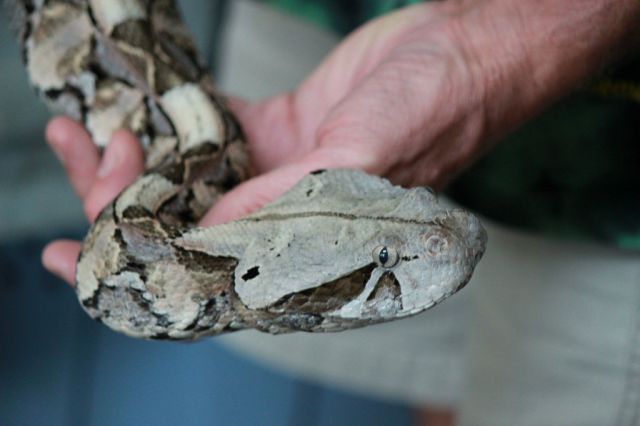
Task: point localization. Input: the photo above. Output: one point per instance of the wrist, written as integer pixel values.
(527, 54)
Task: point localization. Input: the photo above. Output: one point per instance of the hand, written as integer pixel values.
(415, 96)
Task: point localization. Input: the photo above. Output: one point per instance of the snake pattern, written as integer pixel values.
(340, 250)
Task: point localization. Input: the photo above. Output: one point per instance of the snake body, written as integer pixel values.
(340, 250)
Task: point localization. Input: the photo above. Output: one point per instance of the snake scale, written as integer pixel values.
(340, 250)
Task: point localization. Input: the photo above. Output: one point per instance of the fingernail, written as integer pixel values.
(110, 161)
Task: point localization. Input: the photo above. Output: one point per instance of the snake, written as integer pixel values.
(342, 249)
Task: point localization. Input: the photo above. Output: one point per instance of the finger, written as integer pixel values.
(60, 257)
(237, 105)
(121, 164)
(75, 150)
(256, 192)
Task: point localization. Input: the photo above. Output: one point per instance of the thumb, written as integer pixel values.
(255, 193)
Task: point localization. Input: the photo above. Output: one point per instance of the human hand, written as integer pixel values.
(415, 96)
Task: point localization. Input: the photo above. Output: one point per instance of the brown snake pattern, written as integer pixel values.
(340, 250)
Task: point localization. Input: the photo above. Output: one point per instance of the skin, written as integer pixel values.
(416, 96)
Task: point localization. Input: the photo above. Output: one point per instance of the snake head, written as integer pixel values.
(383, 253)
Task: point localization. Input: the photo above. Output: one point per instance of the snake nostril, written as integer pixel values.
(435, 245)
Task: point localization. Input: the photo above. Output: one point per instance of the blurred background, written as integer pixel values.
(57, 367)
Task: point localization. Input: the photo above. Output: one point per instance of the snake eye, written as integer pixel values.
(385, 256)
